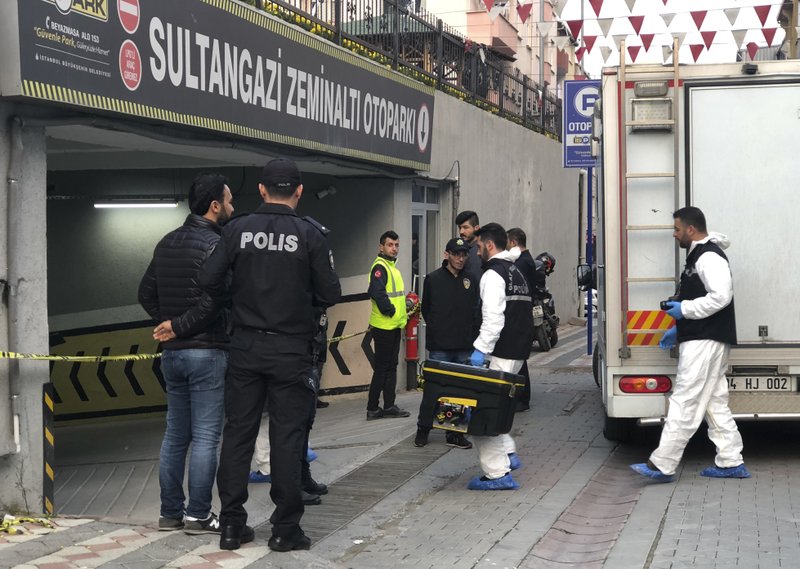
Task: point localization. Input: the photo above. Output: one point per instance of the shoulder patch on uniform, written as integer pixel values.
(378, 273)
(321, 228)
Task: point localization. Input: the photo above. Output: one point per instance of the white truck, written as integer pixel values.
(724, 138)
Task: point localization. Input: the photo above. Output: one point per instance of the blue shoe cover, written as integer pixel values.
(311, 456)
(257, 477)
(732, 472)
(656, 475)
(504, 483)
(515, 461)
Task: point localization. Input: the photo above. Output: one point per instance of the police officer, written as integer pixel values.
(281, 267)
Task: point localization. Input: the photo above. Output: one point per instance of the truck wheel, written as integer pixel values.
(596, 364)
(553, 337)
(542, 339)
(620, 430)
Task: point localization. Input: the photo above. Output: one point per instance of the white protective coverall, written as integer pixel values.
(701, 389)
(493, 451)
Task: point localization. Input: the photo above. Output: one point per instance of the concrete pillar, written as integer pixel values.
(23, 313)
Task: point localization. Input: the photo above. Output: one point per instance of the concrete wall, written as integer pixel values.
(25, 328)
(512, 176)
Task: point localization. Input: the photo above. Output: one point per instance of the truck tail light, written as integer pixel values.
(645, 384)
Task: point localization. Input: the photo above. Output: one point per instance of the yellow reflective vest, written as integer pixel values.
(394, 290)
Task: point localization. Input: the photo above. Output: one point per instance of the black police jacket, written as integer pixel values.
(451, 309)
(281, 268)
(170, 288)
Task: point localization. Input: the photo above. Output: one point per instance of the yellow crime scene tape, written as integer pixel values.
(139, 357)
(7, 525)
(52, 358)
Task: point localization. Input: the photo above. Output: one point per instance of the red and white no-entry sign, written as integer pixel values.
(130, 65)
(128, 12)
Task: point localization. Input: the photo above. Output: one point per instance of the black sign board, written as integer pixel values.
(223, 66)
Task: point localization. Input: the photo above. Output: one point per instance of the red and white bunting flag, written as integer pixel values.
(524, 11)
(499, 7)
(633, 51)
(636, 22)
(488, 4)
(588, 41)
(738, 37)
(647, 39)
(696, 49)
(666, 52)
(681, 38)
(731, 14)
(630, 4)
(668, 18)
(708, 38)
(605, 25)
(574, 27)
(618, 39)
(763, 13)
(579, 53)
(562, 42)
(698, 17)
(596, 5)
(665, 2)
(558, 7)
(605, 52)
(769, 34)
(547, 28)
(752, 49)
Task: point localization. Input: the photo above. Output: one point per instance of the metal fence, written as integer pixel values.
(399, 33)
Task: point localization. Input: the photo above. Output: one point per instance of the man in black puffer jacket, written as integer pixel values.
(193, 333)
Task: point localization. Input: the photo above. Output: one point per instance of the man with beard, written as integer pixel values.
(705, 330)
(506, 333)
(195, 357)
(468, 223)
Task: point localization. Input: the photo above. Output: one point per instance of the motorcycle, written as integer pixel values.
(545, 321)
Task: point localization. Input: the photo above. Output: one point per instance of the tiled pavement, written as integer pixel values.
(578, 506)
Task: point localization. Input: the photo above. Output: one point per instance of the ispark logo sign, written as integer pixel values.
(97, 9)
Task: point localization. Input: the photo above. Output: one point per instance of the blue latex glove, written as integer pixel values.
(675, 310)
(478, 358)
(669, 338)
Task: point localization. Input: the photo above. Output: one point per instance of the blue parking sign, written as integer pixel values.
(579, 99)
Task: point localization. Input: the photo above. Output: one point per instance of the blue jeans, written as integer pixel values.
(452, 356)
(195, 380)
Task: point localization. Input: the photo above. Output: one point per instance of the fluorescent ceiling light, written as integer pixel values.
(128, 203)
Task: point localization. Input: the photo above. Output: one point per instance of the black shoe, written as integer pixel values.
(232, 537)
(377, 414)
(395, 411)
(278, 543)
(458, 440)
(322, 404)
(313, 487)
(193, 526)
(310, 499)
(422, 437)
(522, 407)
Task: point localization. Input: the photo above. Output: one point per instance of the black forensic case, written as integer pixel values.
(468, 399)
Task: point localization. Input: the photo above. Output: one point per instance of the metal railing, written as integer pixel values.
(399, 33)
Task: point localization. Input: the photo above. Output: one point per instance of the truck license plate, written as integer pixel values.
(762, 383)
(538, 311)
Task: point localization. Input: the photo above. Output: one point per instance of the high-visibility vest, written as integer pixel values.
(394, 290)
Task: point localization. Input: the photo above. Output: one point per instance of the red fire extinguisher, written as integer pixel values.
(412, 327)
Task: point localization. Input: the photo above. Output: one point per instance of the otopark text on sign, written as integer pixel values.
(579, 100)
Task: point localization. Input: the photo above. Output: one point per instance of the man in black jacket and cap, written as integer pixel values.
(450, 307)
(195, 358)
